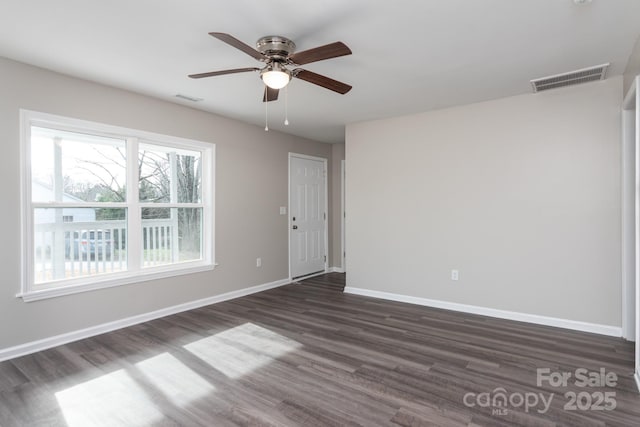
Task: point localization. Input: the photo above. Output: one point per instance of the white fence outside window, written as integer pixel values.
(65, 250)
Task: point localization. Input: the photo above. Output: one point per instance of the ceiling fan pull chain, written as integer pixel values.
(266, 111)
(286, 105)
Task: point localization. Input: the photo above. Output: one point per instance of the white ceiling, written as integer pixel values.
(408, 55)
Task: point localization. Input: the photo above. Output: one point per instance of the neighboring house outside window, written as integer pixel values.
(106, 206)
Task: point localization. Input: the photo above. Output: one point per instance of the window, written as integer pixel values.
(106, 206)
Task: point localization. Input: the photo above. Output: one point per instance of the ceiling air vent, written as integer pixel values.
(571, 78)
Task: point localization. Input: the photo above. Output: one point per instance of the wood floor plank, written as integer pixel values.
(11, 376)
(308, 354)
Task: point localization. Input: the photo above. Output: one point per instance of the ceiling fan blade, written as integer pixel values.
(223, 72)
(321, 80)
(232, 41)
(328, 51)
(270, 94)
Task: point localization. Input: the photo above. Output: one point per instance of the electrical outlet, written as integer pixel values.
(258, 262)
(454, 274)
(283, 210)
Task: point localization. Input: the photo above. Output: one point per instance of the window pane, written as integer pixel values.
(171, 235)
(169, 175)
(94, 242)
(76, 167)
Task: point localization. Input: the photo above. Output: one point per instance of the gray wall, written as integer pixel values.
(251, 184)
(521, 195)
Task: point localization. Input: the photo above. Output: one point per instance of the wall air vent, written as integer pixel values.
(188, 98)
(571, 78)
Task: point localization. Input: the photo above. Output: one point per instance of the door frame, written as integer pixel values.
(326, 209)
(343, 216)
(629, 214)
(631, 220)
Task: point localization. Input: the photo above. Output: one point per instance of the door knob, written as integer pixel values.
(295, 227)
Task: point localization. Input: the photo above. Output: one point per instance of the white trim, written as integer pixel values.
(43, 344)
(335, 270)
(111, 280)
(135, 272)
(613, 331)
(631, 291)
(26, 220)
(630, 213)
(209, 211)
(326, 207)
(343, 215)
(631, 219)
(628, 178)
(289, 222)
(636, 89)
(74, 125)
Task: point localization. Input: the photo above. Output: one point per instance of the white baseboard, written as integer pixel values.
(43, 344)
(613, 331)
(335, 270)
(637, 377)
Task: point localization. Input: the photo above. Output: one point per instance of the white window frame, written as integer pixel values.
(135, 272)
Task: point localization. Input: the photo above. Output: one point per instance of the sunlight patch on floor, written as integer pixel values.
(110, 400)
(174, 380)
(240, 350)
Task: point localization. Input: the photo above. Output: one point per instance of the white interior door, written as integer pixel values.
(307, 215)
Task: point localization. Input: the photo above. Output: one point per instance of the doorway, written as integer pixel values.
(307, 215)
(631, 220)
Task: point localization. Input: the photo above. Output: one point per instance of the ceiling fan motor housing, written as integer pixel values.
(276, 48)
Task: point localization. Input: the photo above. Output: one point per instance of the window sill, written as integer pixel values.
(111, 281)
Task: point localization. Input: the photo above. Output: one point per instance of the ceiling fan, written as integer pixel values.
(278, 53)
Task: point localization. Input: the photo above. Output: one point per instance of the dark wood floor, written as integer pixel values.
(307, 354)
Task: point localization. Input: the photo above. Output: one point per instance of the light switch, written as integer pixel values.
(283, 210)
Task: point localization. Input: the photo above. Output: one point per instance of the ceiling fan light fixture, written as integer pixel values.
(277, 53)
(275, 76)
